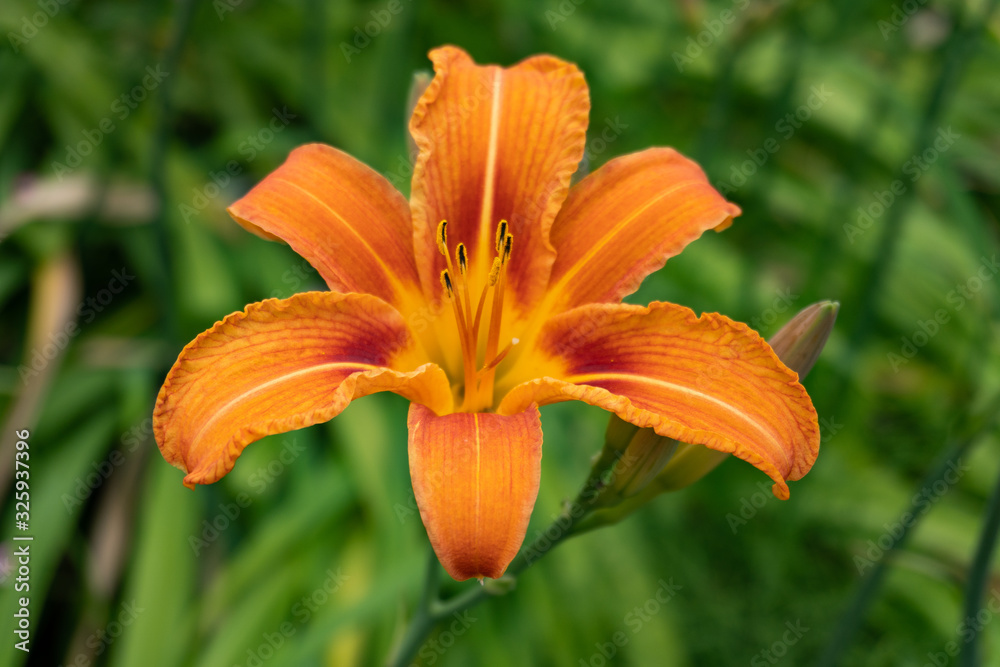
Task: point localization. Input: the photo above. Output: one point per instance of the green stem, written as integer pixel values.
(852, 618)
(423, 620)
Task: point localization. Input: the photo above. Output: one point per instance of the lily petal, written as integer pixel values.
(625, 220)
(707, 381)
(475, 477)
(282, 365)
(340, 215)
(495, 144)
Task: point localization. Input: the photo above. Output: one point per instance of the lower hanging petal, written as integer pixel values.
(701, 380)
(475, 477)
(282, 365)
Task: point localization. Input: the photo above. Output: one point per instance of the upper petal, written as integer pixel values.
(475, 478)
(282, 365)
(495, 144)
(340, 215)
(707, 380)
(625, 220)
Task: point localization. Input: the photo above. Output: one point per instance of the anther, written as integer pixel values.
(463, 264)
(501, 234)
(442, 237)
(494, 272)
(446, 283)
(507, 244)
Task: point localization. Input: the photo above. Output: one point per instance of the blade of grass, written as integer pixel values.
(158, 161)
(53, 521)
(162, 581)
(274, 540)
(958, 52)
(850, 621)
(975, 589)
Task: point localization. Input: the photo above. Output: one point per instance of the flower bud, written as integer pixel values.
(418, 85)
(799, 342)
(632, 457)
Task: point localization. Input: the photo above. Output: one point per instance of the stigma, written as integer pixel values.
(478, 380)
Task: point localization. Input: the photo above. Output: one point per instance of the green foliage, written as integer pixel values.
(321, 559)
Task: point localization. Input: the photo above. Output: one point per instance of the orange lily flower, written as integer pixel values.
(513, 303)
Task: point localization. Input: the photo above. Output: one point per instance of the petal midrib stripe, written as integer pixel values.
(486, 222)
(586, 379)
(479, 493)
(390, 275)
(613, 232)
(270, 383)
(555, 290)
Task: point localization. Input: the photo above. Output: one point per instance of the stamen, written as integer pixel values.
(442, 237)
(494, 272)
(455, 282)
(501, 234)
(463, 289)
(467, 343)
(446, 283)
(496, 318)
(442, 244)
(490, 282)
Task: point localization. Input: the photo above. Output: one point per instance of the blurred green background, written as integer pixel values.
(862, 142)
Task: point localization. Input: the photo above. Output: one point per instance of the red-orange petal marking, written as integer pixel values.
(340, 215)
(625, 220)
(475, 477)
(282, 365)
(495, 143)
(707, 380)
